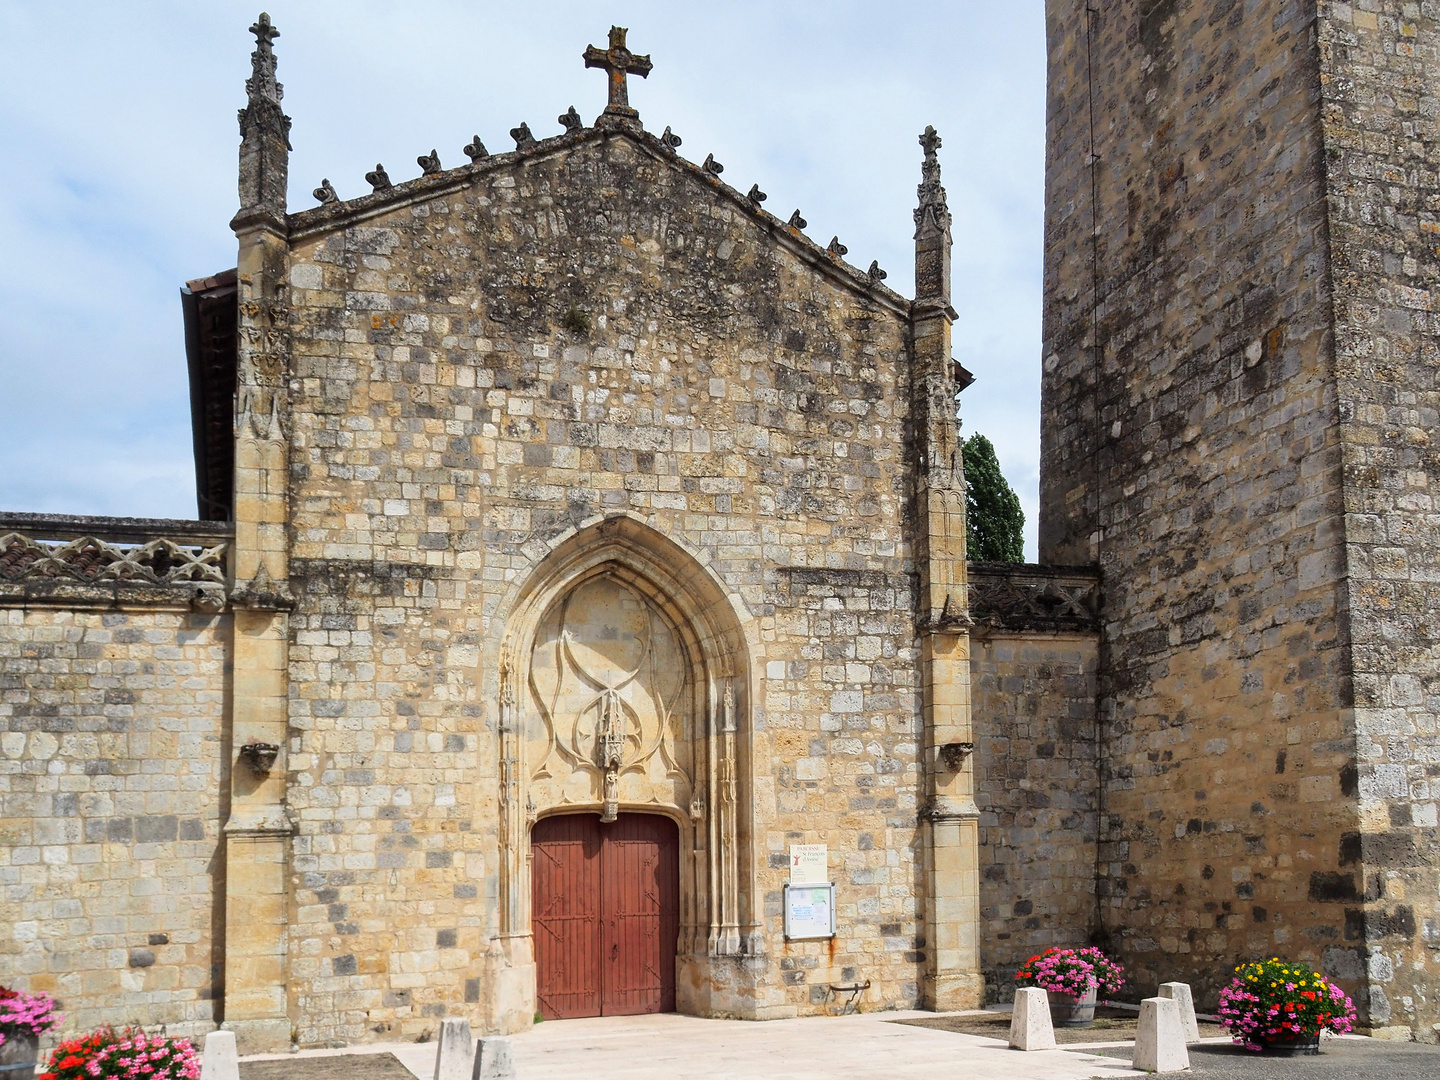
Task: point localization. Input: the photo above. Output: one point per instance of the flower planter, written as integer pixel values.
(1290, 1045)
(19, 1055)
(1069, 1011)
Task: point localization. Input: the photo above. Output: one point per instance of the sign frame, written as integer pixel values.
(802, 927)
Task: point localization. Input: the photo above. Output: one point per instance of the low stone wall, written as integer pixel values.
(1033, 667)
(111, 768)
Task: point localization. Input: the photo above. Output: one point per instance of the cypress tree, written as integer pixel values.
(993, 518)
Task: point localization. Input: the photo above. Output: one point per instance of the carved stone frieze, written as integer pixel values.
(263, 346)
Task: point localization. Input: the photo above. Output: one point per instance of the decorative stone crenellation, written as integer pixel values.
(88, 561)
(1024, 596)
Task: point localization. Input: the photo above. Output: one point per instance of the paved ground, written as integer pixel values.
(1339, 1059)
(382, 1066)
(672, 1047)
(889, 1045)
(1111, 1025)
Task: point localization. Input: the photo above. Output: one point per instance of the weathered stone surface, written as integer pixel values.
(454, 1056)
(1237, 391)
(1160, 1038)
(219, 1060)
(1035, 779)
(1030, 1027)
(493, 1060)
(110, 766)
(1179, 993)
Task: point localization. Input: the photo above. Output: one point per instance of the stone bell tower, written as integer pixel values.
(1240, 418)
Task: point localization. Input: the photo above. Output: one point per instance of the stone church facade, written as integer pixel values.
(569, 506)
(565, 490)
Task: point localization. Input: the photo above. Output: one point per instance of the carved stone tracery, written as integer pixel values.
(90, 560)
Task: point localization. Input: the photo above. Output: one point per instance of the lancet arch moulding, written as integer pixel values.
(655, 718)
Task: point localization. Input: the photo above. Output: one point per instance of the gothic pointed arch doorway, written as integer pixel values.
(625, 690)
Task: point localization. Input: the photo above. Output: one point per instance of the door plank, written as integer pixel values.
(639, 914)
(565, 876)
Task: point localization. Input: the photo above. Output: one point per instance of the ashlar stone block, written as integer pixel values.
(493, 1060)
(453, 1055)
(220, 1060)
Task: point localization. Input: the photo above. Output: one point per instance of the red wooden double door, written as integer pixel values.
(606, 913)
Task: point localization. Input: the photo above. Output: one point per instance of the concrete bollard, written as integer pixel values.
(1160, 1041)
(492, 1059)
(1030, 1027)
(1185, 1001)
(219, 1060)
(452, 1056)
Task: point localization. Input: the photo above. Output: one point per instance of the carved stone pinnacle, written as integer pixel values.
(429, 163)
(326, 192)
(933, 212)
(523, 139)
(570, 121)
(475, 149)
(261, 83)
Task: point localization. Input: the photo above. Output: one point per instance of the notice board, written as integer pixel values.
(810, 911)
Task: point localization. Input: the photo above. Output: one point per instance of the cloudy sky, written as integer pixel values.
(118, 137)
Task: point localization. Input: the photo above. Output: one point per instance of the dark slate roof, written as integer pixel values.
(211, 322)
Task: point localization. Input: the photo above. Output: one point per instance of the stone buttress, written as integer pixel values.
(259, 828)
(950, 825)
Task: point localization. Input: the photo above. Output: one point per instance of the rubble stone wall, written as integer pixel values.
(1192, 447)
(1035, 780)
(1378, 64)
(111, 769)
(588, 331)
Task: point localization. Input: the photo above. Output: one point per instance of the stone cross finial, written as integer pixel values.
(264, 30)
(618, 62)
(930, 141)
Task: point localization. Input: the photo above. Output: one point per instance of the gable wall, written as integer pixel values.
(453, 417)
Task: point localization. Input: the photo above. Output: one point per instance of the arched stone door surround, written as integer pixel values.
(625, 684)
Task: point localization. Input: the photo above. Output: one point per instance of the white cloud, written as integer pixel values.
(117, 126)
